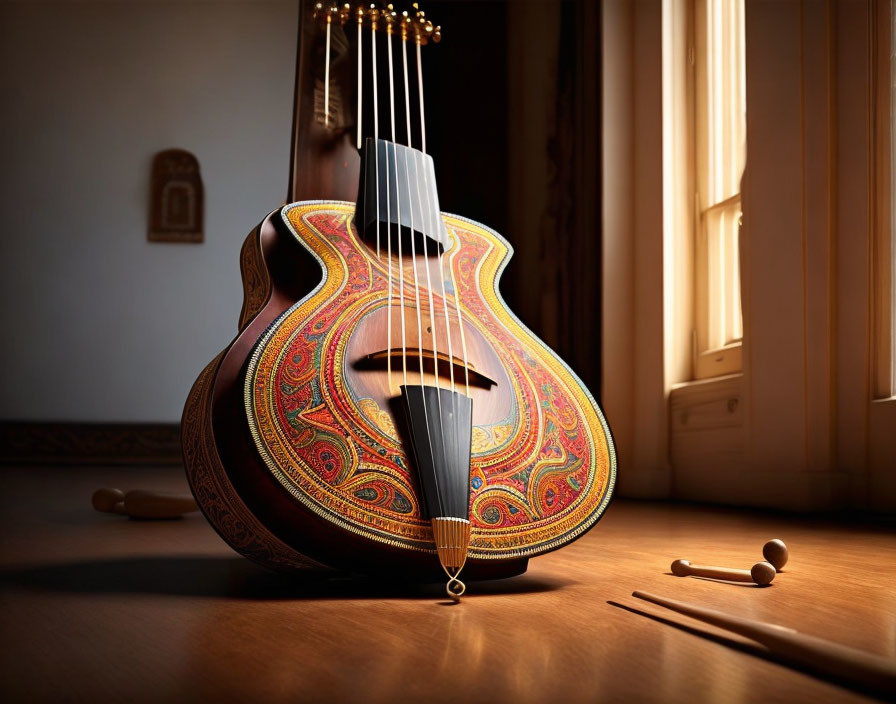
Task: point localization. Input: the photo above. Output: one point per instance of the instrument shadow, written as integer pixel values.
(235, 578)
(749, 585)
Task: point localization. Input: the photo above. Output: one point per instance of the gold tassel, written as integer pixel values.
(452, 538)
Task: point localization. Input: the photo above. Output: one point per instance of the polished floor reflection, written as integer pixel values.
(97, 607)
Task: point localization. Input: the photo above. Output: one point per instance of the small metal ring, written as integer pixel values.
(455, 588)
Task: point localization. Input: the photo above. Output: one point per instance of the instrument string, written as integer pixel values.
(327, 74)
(376, 156)
(360, 78)
(433, 224)
(441, 255)
(404, 361)
(404, 61)
(420, 91)
(460, 320)
(414, 267)
(425, 225)
(433, 327)
(407, 176)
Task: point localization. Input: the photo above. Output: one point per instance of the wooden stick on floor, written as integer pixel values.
(865, 669)
(762, 573)
(139, 503)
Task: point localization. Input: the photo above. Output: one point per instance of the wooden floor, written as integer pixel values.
(100, 608)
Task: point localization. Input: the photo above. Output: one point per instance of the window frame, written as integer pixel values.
(710, 359)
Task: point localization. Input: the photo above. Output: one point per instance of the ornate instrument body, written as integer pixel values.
(381, 401)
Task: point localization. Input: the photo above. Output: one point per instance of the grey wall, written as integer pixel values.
(98, 324)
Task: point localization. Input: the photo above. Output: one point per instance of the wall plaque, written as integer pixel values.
(176, 208)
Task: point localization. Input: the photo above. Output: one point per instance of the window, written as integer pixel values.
(720, 141)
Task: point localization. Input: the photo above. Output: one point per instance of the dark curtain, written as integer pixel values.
(557, 282)
(516, 86)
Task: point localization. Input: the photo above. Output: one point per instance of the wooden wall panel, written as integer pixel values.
(634, 394)
(618, 310)
(774, 237)
(853, 243)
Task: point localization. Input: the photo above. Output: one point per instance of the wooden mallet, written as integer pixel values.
(138, 503)
(762, 573)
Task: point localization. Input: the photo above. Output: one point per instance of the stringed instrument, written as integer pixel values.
(381, 410)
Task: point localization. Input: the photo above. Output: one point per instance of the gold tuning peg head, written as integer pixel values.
(423, 28)
(405, 21)
(326, 12)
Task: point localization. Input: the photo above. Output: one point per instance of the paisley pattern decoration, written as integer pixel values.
(539, 478)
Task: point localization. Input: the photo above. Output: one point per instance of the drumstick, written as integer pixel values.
(858, 666)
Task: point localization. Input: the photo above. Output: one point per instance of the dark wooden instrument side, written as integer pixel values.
(236, 492)
(222, 505)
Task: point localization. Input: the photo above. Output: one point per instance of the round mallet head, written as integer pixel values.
(762, 573)
(775, 551)
(680, 568)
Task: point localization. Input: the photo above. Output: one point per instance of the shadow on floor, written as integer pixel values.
(236, 578)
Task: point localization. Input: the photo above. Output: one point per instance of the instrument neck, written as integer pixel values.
(359, 75)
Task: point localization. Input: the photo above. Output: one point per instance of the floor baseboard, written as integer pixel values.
(89, 443)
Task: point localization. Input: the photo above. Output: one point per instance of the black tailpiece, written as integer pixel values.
(441, 425)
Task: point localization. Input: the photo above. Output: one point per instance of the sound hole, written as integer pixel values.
(365, 367)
